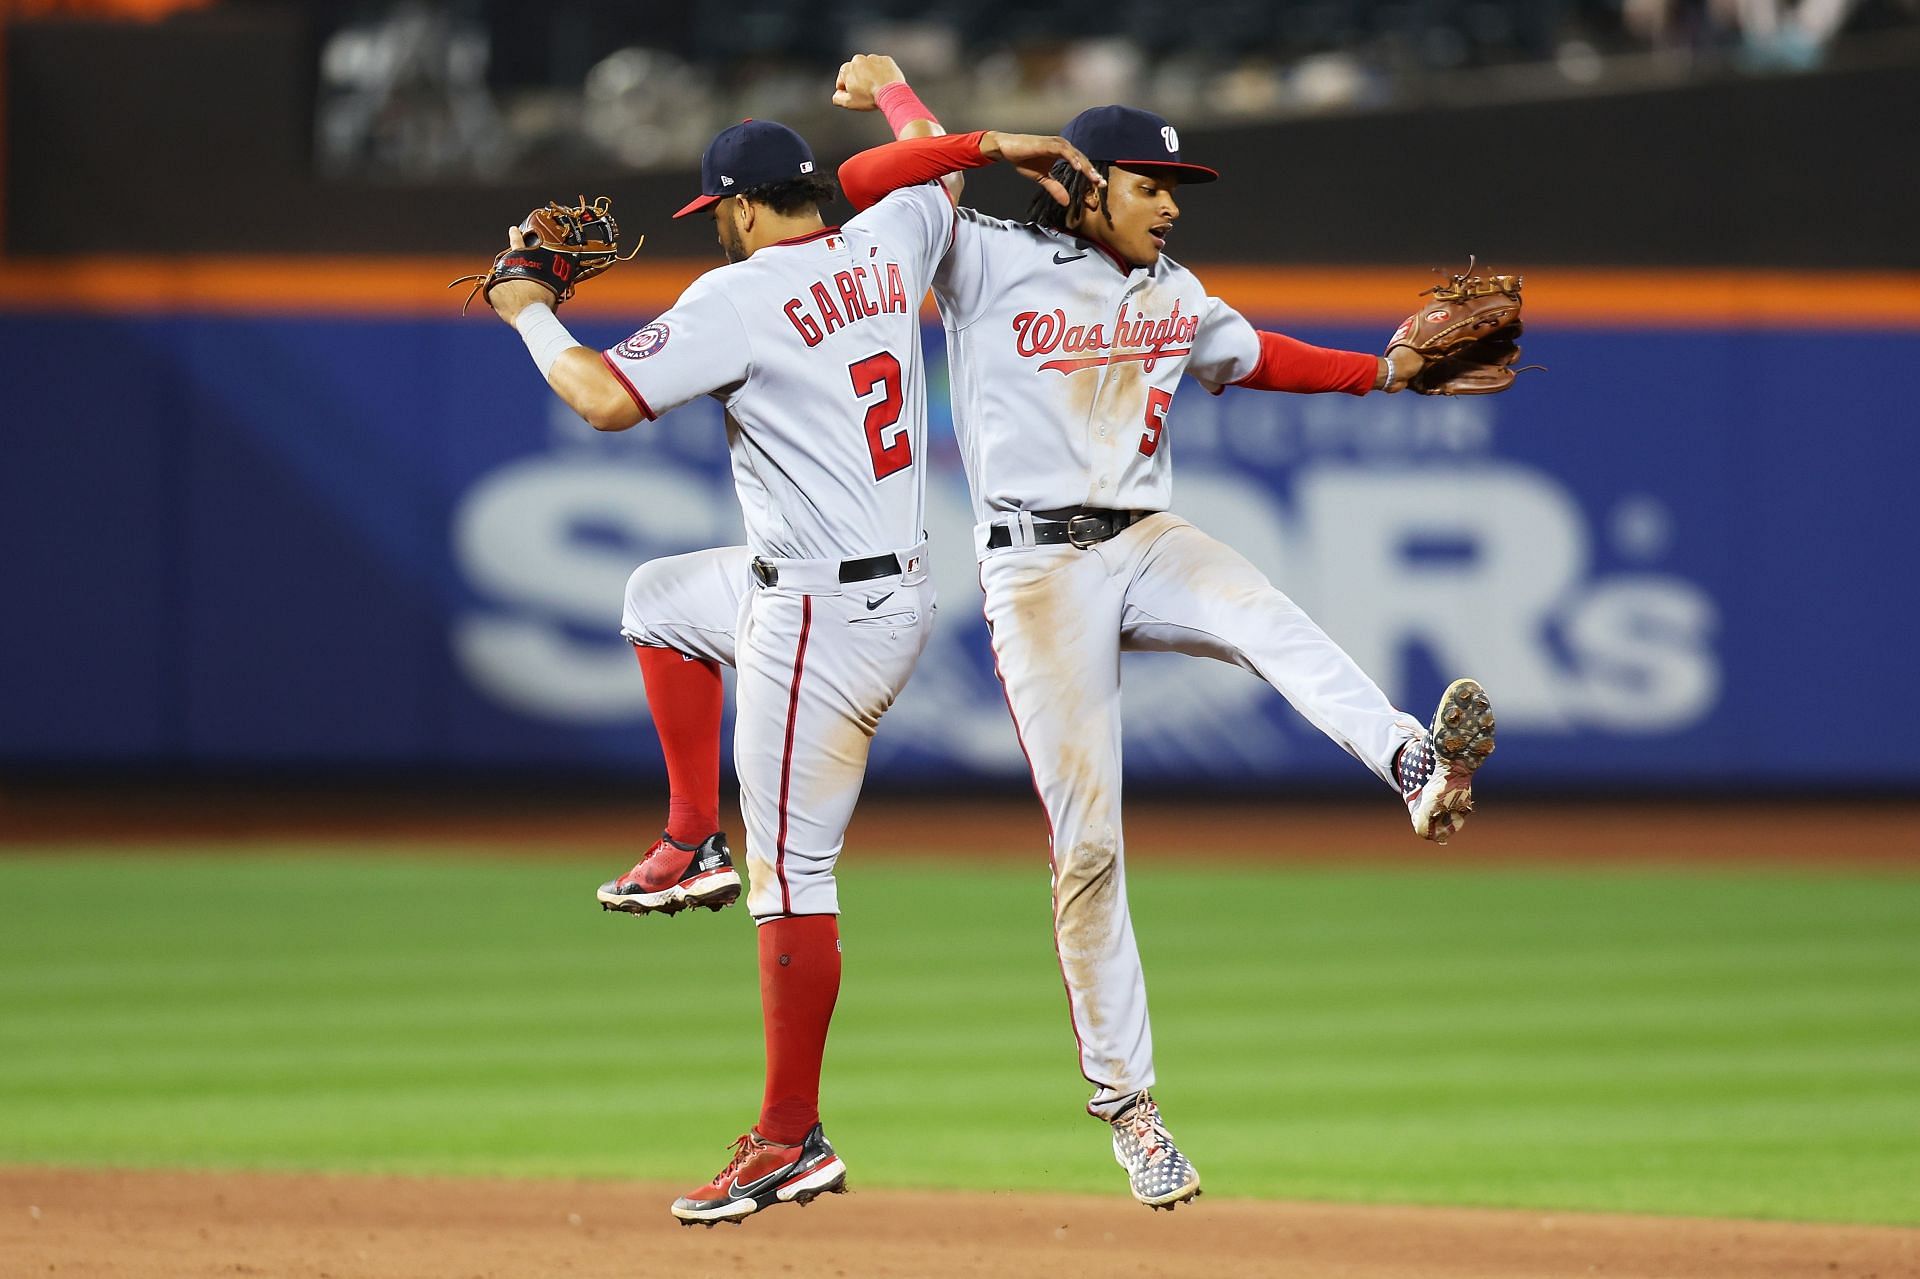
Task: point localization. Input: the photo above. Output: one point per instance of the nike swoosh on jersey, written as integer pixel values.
(876, 603)
(1060, 259)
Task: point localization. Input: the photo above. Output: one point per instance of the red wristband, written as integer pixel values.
(901, 105)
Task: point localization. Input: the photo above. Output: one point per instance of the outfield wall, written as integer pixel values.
(244, 537)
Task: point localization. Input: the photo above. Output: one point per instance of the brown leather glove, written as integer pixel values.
(1467, 337)
(561, 247)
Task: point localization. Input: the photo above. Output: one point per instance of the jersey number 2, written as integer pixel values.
(886, 438)
(1158, 402)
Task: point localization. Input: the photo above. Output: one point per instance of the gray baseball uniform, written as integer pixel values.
(813, 346)
(1065, 362)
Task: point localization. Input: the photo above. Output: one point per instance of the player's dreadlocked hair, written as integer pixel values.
(1045, 211)
(795, 195)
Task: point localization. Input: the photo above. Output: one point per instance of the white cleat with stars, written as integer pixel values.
(1435, 771)
(1158, 1174)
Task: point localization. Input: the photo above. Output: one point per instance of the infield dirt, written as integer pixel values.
(176, 1225)
(1828, 833)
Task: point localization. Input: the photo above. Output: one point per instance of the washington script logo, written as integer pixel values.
(1134, 337)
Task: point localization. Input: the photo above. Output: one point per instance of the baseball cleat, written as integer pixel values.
(1157, 1173)
(762, 1174)
(1435, 770)
(673, 876)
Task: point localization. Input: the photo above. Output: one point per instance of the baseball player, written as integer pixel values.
(810, 338)
(1067, 335)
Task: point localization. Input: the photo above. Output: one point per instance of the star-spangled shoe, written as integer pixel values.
(1157, 1173)
(673, 876)
(1435, 770)
(762, 1174)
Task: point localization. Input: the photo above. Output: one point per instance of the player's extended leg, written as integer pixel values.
(816, 674)
(1054, 613)
(680, 615)
(1195, 594)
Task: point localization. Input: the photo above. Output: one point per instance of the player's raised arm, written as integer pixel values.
(874, 82)
(872, 174)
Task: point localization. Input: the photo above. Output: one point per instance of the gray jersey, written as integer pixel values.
(1064, 365)
(813, 346)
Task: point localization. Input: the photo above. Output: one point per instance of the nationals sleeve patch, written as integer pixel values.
(646, 342)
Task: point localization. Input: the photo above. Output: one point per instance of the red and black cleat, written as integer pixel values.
(762, 1174)
(673, 876)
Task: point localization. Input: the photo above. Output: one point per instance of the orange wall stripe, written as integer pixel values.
(1374, 296)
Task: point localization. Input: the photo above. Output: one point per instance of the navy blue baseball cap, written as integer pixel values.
(750, 154)
(1133, 139)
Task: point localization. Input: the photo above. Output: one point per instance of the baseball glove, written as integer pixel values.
(1468, 336)
(561, 248)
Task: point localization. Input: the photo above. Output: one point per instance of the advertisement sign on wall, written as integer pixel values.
(352, 542)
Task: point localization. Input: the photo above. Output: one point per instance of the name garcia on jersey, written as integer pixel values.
(1037, 333)
(863, 291)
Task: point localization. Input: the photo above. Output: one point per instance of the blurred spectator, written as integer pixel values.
(406, 93)
(1764, 35)
(1790, 34)
(412, 85)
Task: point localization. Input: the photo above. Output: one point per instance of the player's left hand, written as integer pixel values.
(1035, 154)
(509, 297)
(862, 76)
(1403, 363)
(555, 249)
(1466, 338)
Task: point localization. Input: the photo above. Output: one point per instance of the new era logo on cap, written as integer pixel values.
(753, 153)
(1133, 139)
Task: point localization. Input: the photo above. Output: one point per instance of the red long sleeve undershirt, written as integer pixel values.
(1288, 364)
(873, 173)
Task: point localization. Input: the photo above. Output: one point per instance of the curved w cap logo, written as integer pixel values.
(1170, 136)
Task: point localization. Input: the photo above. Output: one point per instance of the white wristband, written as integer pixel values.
(544, 335)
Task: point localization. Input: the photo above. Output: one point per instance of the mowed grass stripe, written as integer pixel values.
(1666, 1041)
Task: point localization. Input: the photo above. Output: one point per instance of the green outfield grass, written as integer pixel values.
(1701, 1042)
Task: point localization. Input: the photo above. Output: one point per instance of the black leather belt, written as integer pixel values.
(1081, 526)
(850, 570)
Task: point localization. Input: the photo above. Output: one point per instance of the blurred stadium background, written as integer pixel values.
(280, 509)
(294, 548)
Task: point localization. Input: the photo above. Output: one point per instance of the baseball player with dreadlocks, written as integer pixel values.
(1067, 334)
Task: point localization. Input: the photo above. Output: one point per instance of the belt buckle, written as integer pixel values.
(1078, 522)
(767, 573)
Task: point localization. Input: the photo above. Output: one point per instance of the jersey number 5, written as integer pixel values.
(886, 438)
(1158, 402)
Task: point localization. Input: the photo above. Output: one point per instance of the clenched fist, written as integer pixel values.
(861, 77)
